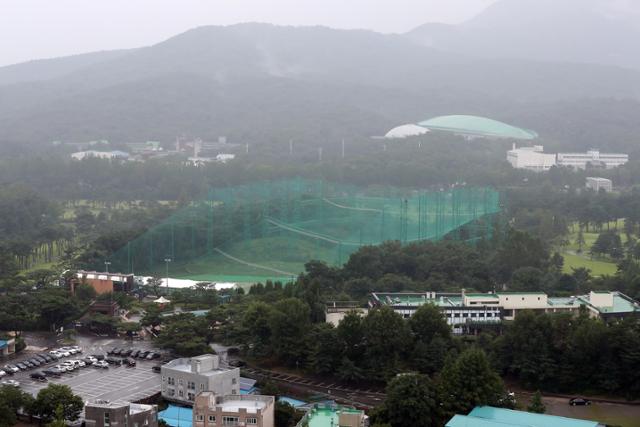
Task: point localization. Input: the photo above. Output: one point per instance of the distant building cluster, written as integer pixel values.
(597, 184)
(535, 159)
(467, 313)
(198, 152)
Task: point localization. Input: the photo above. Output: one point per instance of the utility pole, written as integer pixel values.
(167, 260)
(319, 154)
(106, 266)
(290, 147)
(343, 148)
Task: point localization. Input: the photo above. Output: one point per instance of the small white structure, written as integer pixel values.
(531, 158)
(597, 184)
(592, 158)
(224, 158)
(406, 131)
(162, 300)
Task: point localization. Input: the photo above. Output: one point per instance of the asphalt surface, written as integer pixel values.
(115, 383)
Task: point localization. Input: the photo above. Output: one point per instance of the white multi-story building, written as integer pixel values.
(592, 158)
(597, 184)
(531, 158)
(183, 379)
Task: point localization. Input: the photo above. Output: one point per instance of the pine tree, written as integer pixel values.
(536, 405)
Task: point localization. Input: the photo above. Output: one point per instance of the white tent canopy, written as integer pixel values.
(162, 300)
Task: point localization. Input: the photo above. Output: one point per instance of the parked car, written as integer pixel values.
(144, 354)
(114, 361)
(28, 364)
(135, 353)
(98, 356)
(10, 369)
(64, 368)
(2, 373)
(112, 350)
(22, 366)
(38, 376)
(41, 359)
(51, 372)
(54, 355)
(46, 357)
(35, 362)
(130, 361)
(12, 383)
(63, 353)
(101, 364)
(579, 401)
(156, 368)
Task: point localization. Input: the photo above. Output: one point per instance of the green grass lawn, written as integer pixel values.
(599, 266)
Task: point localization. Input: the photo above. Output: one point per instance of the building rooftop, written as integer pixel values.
(477, 126)
(326, 415)
(487, 416)
(209, 365)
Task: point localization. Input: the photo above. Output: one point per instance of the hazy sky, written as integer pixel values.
(31, 29)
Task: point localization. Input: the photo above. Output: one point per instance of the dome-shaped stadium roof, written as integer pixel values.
(478, 126)
(406, 131)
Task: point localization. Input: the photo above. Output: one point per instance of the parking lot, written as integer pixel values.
(114, 383)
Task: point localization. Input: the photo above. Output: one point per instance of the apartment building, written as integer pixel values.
(593, 158)
(183, 379)
(211, 410)
(103, 413)
(596, 184)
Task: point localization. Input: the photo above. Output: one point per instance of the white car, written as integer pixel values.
(63, 353)
(69, 350)
(101, 364)
(13, 383)
(64, 368)
(55, 353)
(2, 373)
(10, 368)
(69, 366)
(91, 359)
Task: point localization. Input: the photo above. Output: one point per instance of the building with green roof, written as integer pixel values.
(488, 416)
(326, 415)
(480, 127)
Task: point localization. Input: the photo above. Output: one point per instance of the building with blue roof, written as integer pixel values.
(488, 416)
(7, 346)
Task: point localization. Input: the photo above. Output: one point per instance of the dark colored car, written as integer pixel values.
(22, 366)
(135, 353)
(112, 350)
(144, 354)
(39, 376)
(150, 356)
(51, 372)
(35, 362)
(156, 368)
(579, 401)
(117, 351)
(98, 356)
(28, 364)
(41, 359)
(130, 361)
(113, 361)
(126, 353)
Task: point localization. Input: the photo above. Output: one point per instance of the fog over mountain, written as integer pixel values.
(591, 31)
(257, 81)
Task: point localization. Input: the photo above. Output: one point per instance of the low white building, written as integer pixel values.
(597, 184)
(531, 158)
(592, 158)
(109, 155)
(183, 379)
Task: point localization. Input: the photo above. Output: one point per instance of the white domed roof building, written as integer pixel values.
(406, 131)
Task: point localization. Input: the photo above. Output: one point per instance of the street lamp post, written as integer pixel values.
(106, 266)
(167, 261)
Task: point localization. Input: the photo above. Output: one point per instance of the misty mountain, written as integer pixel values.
(586, 31)
(259, 83)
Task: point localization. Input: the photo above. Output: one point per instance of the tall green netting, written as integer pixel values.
(270, 230)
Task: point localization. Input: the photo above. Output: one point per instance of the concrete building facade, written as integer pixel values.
(531, 158)
(592, 158)
(597, 184)
(183, 379)
(120, 414)
(211, 410)
(467, 312)
(102, 282)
